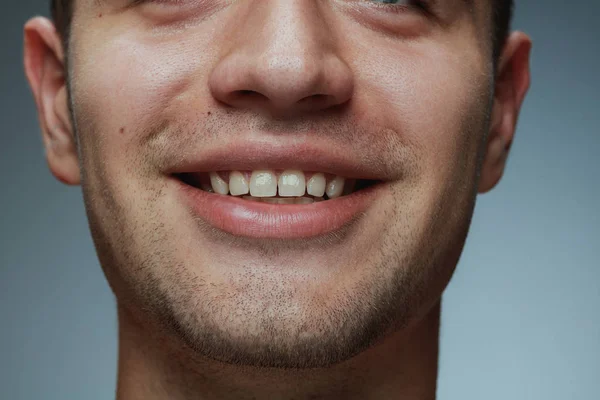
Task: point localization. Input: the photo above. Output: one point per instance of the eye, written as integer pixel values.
(399, 5)
(399, 18)
(167, 10)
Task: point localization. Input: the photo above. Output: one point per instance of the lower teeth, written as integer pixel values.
(284, 200)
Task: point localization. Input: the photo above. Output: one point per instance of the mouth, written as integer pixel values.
(283, 187)
(280, 190)
(277, 204)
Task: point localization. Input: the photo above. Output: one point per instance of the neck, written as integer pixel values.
(157, 367)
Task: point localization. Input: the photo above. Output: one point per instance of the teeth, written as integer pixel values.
(238, 184)
(263, 184)
(278, 200)
(335, 188)
(218, 184)
(206, 187)
(292, 183)
(316, 185)
(304, 200)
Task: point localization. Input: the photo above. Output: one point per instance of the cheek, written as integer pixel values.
(122, 91)
(436, 99)
(128, 86)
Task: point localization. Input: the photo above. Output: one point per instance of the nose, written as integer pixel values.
(282, 60)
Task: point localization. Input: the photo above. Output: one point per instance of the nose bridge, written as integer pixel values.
(294, 34)
(281, 54)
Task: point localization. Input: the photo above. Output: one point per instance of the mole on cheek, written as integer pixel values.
(100, 15)
(122, 130)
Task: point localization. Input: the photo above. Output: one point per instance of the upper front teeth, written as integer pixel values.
(267, 183)
(316, 185)
(263, 184)
(218, 184)
(292, 184)
(238, 184)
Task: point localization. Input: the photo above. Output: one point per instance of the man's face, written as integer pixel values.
(356, 88)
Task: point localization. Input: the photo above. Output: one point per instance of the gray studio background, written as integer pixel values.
(521, 317)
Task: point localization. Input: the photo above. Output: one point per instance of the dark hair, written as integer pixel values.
(62, 12)
(502, 13)
(502, 10)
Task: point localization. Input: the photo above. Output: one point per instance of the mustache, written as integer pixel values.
(371, 143)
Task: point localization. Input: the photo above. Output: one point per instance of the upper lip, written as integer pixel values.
(324, 157)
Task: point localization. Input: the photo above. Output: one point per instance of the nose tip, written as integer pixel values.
(283, 59)
(282, 83)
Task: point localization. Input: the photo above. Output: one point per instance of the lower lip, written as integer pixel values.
(253, 219)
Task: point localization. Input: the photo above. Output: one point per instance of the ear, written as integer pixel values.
(45, 70)
(512, 83)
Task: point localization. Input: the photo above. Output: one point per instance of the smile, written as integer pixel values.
(267, 197)
(258, 205)
(277, 187)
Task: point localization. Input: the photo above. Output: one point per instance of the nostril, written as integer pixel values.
(244, 97)
(248, 93)
(315, 100)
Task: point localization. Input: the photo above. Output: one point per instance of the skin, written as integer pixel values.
(205, 315)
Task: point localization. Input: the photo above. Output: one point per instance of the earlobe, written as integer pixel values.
(494, 162)
(45, 70)
(496, 152)
(511, 86)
